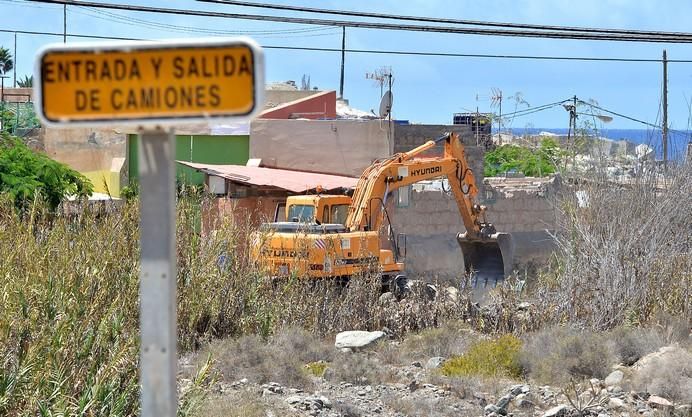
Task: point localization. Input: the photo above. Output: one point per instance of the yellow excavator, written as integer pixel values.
(337, 236)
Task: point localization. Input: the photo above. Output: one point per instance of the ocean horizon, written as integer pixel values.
(677, 139)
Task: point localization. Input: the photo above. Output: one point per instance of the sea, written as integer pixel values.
(677, 139)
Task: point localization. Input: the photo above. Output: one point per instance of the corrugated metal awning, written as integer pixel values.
(294, 181)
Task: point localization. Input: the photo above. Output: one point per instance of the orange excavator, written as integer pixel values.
(336, 236)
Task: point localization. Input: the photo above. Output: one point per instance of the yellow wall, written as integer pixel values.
(106, 182)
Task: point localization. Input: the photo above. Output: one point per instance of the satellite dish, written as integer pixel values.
(386, 104)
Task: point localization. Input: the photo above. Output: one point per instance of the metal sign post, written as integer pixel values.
(157, 285)
(153, 85)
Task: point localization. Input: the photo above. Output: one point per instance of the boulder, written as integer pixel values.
(661, 403)
(616, 403)
(557, 411)
(653, 358)
(614, 378)
(357, 339)
(434, 362)
(452, 294)
(503, 402)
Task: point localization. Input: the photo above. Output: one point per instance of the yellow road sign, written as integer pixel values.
(149, 82)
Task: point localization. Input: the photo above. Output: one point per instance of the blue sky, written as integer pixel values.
(431, 89)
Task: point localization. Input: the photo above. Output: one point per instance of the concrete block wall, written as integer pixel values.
(407, 137)
(524, 207)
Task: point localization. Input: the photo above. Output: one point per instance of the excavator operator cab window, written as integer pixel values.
(339, 213)
(301, 213)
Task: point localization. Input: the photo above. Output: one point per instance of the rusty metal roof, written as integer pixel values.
(294, 181)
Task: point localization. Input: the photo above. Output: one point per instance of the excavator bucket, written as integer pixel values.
(490, 259)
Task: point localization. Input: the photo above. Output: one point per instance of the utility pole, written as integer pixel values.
(14, 67)
(64, 23)
(343, 58)
(665, 112)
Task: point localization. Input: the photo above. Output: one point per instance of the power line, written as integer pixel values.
(444, 20)
(620, 115)
(631, 37)
(382, 52)
(191, 29)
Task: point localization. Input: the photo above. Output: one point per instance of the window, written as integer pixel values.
(280, 212)
(403, 196)
(339, 213)
(325, 214)
(301, 213)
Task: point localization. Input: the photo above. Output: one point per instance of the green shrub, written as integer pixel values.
(26, 175)
(488, 358)
(316, 368)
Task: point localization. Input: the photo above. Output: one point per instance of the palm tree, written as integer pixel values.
(6, 63)
(27, 81)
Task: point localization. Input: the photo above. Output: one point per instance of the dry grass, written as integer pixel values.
(244, 405)
(625, 256)
(630, 344)
(557, 355)
(69, 285)
(360, 369)
(280, 359)
(452, 338)
(421, 407)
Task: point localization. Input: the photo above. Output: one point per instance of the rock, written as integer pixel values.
(452, 294)
(417, 364)
(661, 403)
(387, 298)
(516, 390)
(684, 410)
(524, 306)
(654, 357)
(616, 403)
(522, 401)
(413, 385)
(491, 408)
(503, 402)
(421, 289)
(557, 411)
(434, 362)
(357, 339)
(325, 401)
(614, 378)
(294, 399)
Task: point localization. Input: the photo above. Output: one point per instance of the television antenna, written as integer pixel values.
(381, 77)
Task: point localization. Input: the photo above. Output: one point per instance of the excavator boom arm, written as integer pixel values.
(402, 169)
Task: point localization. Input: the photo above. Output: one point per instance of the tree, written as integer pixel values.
(6, 63)
(26, 175)
(26, 82)
(530, 162)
